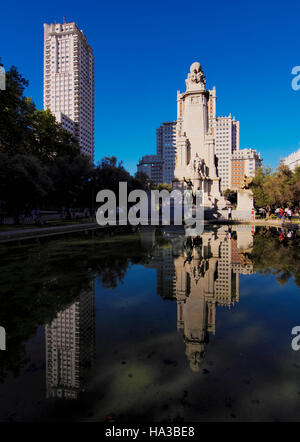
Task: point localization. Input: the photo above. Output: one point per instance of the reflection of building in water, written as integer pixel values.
(70, 347)
(227, 282)
(164, 262)
(206, 275)
(161, 259)
(147, 237)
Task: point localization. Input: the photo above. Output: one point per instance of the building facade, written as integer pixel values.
(69, 81)
(166, 149)
(70, 347)
(226, 131)
(293, 160)
(243, 162)
(152, 166)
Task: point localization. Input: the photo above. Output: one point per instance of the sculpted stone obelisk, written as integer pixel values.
(195, 146)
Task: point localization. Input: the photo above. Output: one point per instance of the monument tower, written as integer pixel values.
(195, 146)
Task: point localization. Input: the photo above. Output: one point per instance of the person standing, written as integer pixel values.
(230, 212)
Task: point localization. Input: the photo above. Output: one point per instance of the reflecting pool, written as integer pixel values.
(151, 325)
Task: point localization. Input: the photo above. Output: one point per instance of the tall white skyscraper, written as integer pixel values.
(69, 81)
(166, 148)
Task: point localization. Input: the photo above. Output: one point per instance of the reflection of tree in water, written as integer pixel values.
(111, 271)
(191, 244)
(281, 259)
(43, 277)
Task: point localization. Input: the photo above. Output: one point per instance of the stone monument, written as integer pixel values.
(245, 203)
(195, 145)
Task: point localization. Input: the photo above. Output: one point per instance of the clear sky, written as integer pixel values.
(143, 50)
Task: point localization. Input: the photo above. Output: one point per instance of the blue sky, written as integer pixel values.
(143, 51)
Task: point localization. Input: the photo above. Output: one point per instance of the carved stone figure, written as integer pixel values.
(189, 194)
(247, 180)
(197, 167)
(189, 183)
(195, 76)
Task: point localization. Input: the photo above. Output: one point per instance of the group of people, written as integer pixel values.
(282, 214)
(284, 234)
(34, 215)
(72, 213)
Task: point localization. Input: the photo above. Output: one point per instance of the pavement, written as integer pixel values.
(38, 232)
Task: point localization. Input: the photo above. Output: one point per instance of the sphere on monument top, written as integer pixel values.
(195, 67)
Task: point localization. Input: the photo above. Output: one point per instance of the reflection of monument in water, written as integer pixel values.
(203, 272)
(70, 347)
(205, 278)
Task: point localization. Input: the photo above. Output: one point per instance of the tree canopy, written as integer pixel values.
(40, 162)
(26, 130)
(277, 188)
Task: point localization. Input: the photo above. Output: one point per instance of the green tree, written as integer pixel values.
(70, 177)
(163, 186)
(230, 195)
(293, 191)
(24, 182)
(109, 172)
(16, 116)
(258, 187)
(142, 178)
(51, 140)
(26, 130)
(272, 189)
(47, 159)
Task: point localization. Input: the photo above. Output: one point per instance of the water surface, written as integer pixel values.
(151, 326)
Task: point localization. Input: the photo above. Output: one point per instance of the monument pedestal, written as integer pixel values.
(244, 205)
